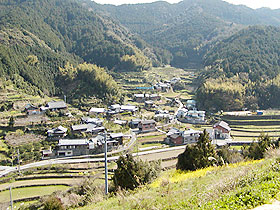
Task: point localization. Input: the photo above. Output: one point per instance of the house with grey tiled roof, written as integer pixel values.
(56, 105)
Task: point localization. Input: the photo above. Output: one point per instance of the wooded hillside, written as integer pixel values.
(38, 37)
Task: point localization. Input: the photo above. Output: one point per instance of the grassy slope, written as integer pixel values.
(237, 186)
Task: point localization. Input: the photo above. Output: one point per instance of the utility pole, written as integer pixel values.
(11, 199)
(18, 161)
(106, 167)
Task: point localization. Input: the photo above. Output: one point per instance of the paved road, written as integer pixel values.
(157, 155)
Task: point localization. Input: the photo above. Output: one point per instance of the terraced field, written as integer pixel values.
(251, 127)
(30, 192)
(35, 183)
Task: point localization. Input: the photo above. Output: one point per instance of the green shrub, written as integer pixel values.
(257, 150)
(132, 173)
(53, 203)
(229, 156)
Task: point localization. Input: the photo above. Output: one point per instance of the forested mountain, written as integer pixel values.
(254, 51)
(38, 37)
(180, 31)
(241, 60)
(243, 71)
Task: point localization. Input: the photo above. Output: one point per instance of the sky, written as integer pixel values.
(273, 4)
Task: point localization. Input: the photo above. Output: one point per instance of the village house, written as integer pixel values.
(163, 87)
(154, 97)
(220, 134)
(58, 132)
(72, 147)
(77, 147)
(47, 154)
(147, 126)
(134, 123)
(117, 137)
(222, 130)
(161, 112)
(129, 108)
(182, 113)
(191, 104)
(166, 117)
(177, 137)
(114, 109)
(54, 106)
(120, 122)
(174, 80)
(87, 128)
(32, 110)
(174, 137)
(97, 111)
(191, 116)
(95, 121)
(149, 104)
(96, 144)
(140, 98)
(191, 136)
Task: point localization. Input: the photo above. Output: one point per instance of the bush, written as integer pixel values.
(133, 173)
(229, 156)
(53, 203)
(257, 150)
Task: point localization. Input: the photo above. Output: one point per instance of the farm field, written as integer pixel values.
(246, 128)
(61, 181)
(28, 192)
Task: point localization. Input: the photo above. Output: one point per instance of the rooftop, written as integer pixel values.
(56, 105)
(148, 121)
(97, 110)
(116, 135)
(72, 142)
(223, 124)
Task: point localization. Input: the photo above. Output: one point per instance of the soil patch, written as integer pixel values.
(19, 139)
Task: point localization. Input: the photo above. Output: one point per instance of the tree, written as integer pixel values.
(257, 150)
(132, 173)
(198, 156)
(11, 122)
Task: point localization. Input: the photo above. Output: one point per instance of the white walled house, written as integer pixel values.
(222, 130)
(191, 136)
(191, 116)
